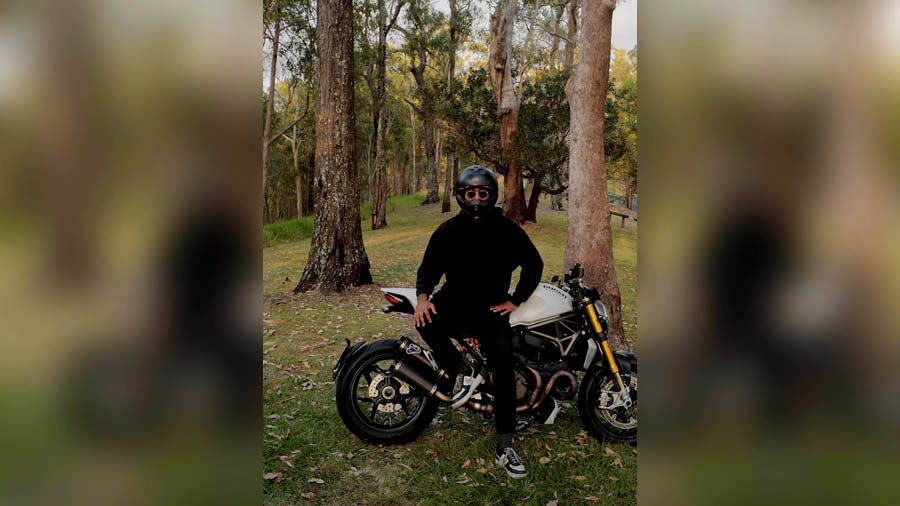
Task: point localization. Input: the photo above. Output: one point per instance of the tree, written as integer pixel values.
(337, 256)
(387, 16)
(500, 72)
(422, 32)
(589, 236)
(275, 9)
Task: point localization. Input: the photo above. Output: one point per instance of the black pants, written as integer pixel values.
(495, 337)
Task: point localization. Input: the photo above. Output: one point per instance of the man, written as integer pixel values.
(478, 250)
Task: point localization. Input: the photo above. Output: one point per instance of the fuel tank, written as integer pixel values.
(546, 303)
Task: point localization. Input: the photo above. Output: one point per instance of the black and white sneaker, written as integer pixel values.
(466, 383)
(508, 459)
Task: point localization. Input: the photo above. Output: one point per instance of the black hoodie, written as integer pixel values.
(478, 260)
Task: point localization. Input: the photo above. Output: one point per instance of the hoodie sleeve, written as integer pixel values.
(432, 266)
(532, 267)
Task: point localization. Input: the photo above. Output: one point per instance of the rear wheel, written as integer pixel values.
(378, 406)
(600, 410)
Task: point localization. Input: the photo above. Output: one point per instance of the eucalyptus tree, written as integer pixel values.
(337, 256)
(589, 232)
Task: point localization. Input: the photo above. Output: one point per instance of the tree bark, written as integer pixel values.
(572, 35)
(337, 256)
(507, 107)
(589, 237)
(271, 103)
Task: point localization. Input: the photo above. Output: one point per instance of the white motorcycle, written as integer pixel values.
(389, 391)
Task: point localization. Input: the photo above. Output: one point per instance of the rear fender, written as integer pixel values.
(346, 357)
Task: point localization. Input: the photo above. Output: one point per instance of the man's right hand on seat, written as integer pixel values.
(423, 306)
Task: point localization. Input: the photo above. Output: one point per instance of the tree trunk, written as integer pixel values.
(298, 180)
(572, 35)
(534, 199)
(337, 256)
(432, 197)
(589, 238)
(628, 192)
(507, 107)
(452, 161)
(448, 182)
(379, 202)
(311, 176)
(267, 131)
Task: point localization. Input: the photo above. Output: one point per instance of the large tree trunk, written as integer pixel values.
(267, 131)
(507, 107)
(589, 238)
(337, 257)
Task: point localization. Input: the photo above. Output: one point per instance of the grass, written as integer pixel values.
(451, 463)
(302, 228)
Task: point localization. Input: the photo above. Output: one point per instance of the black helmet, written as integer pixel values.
(476, 176)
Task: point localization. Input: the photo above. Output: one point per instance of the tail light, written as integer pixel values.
(390, 298)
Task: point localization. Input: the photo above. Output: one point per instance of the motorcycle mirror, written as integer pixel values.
(555, 279)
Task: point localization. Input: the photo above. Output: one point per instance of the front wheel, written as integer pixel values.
(601, 413)
(376, 405)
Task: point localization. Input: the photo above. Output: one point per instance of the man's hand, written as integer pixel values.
(505, 308)
(423, 306)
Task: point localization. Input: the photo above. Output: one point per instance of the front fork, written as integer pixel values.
(600, 334)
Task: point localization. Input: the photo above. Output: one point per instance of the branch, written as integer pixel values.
(414, 106)
(398, 7)
(285, 129)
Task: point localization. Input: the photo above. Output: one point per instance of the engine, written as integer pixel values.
(557, 341)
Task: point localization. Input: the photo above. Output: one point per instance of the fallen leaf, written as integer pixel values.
(613, 478)
(286, 460)
(544, 460)
(274, 322)
(580, 478)
(316, 480)
(592, 498)
(308, 495)
(617, 462)
(272, 476)
(609, 451)
(482, 470)
(465, 464)
(553, 503)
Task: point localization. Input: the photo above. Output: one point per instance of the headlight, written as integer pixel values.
(601, 310)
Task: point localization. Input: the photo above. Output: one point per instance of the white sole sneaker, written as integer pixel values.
(509, 473)
(469, 392)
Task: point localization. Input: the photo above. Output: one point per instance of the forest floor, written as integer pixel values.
(311, 458)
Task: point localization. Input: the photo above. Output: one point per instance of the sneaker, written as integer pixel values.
(509, 460)
(466, 383)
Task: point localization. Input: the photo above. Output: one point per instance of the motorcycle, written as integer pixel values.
(388, 392)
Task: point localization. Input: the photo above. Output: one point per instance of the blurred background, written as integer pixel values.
(770, 255)
(130, 277)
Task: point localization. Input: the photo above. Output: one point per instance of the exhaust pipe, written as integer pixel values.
(573, 382)
(410, 375)
(413, 350)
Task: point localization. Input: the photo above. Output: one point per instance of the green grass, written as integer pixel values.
(305, 440)
(302, 228)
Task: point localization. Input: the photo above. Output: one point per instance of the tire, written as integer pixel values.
(367, 382)
(618, 425)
